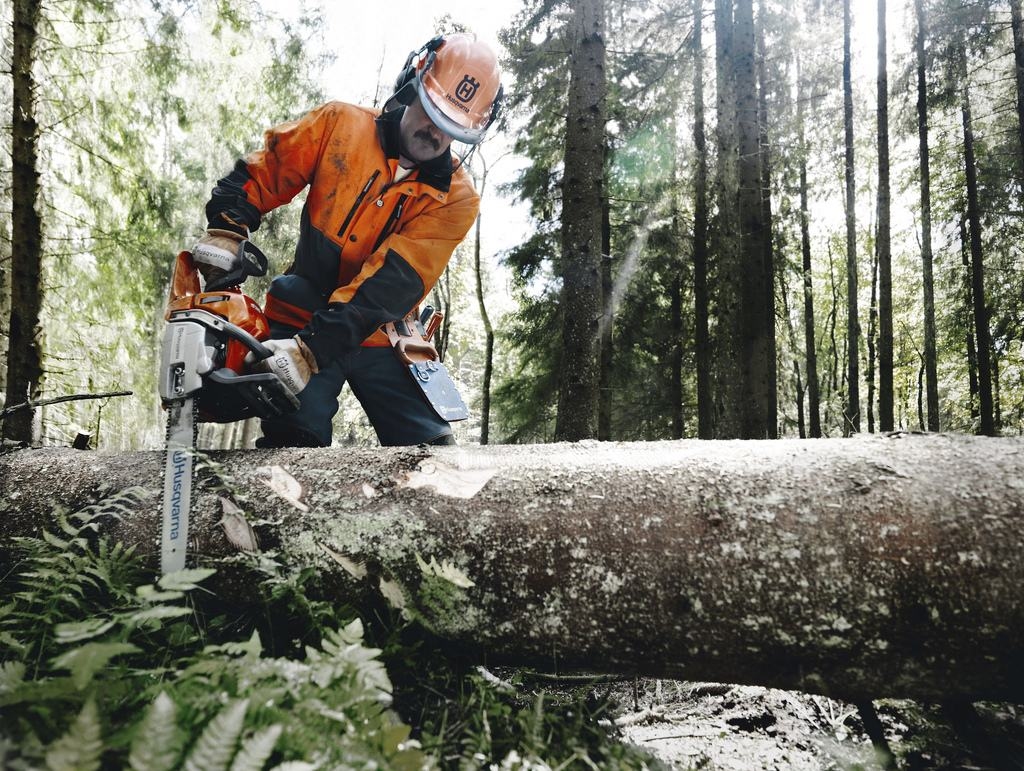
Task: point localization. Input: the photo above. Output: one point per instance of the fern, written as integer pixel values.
(215, 746)
(80, 748)
(256, 749)
(78, 606)
(12, 675)
(86, 660)
(157, 742)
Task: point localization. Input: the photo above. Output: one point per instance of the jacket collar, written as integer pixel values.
(437, 172)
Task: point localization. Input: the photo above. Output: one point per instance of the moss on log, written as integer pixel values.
(864, 568)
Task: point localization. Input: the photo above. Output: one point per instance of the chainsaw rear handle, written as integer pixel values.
(251, 262)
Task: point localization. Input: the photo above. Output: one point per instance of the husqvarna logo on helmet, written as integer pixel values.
(466, 90)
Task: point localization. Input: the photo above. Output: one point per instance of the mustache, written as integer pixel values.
(426, 136)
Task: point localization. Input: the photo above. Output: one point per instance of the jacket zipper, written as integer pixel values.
(359, 200)
(396, 214)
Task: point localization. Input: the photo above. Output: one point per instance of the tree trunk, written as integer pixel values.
(746, 344)
(883, 249)
(981, 330)
(769, 374)
(24, 358)
(884, 566)
(485, 387)
(833, 379)
(927, 281)
(677, 299)
(582, 204)
(810, 349)
(604, 402)
(1018, 70)
(968, 321)
(872, 336)
(727, 374)
(443, 302)
(801, 421)
(676, 358)
(702, 342)
(852, 416)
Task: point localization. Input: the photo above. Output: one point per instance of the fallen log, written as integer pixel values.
(865, 568)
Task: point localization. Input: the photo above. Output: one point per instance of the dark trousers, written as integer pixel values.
(395, 406)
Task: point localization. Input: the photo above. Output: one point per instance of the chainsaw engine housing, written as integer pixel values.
(207, 338)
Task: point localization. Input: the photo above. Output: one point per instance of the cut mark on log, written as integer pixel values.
(448, 480)
(237, 528)
(284, 484)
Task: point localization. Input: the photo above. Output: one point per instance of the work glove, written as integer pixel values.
(216, 255)
(291, 361)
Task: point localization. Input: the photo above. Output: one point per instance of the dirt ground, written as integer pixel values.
(743, 728)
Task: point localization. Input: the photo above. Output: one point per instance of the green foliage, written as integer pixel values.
(143, 107)
(99, 668)
(157, 742)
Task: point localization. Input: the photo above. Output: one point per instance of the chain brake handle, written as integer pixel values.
(251, 262)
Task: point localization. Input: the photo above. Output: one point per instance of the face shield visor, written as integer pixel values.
(449, 110)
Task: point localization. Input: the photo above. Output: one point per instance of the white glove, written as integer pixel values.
(216, 254)
(292, 361)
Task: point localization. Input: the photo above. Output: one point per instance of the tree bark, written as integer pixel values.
(1018, 71)
(981, 331)
(883, 248)
(767, 369)
(852, 416)
(485, 387)
(582, 204)
(810, 349)
(884, 566)
(702, 342)
(24, 358)
(870, 343)
(745, 342)
(927, 280)
(607, 351)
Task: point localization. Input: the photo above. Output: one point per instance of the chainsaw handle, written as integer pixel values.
(207, 319)
(258, 349)
(251, 262)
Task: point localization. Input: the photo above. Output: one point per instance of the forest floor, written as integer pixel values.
(744, 728)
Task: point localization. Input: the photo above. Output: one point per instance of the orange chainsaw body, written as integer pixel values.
(229, 304)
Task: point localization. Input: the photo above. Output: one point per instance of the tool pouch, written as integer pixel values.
(420, 358)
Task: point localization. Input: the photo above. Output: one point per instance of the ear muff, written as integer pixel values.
(412, 62)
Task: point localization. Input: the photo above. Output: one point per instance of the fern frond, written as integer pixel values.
(215, 746)
(185, 580)
(122, 503)
(12, 674)
(157, 741)
(256, 749)
(80, 748)
(86, 660)
(76, 631)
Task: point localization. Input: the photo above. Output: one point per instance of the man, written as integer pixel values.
(386, 207)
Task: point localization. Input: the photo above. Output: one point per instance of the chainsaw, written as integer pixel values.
(202, 377)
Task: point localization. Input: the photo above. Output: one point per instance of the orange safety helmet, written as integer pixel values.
(458, 82)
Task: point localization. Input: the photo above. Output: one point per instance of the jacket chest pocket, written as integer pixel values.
(372, 221)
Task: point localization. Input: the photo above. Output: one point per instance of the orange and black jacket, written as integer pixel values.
(373, 246)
